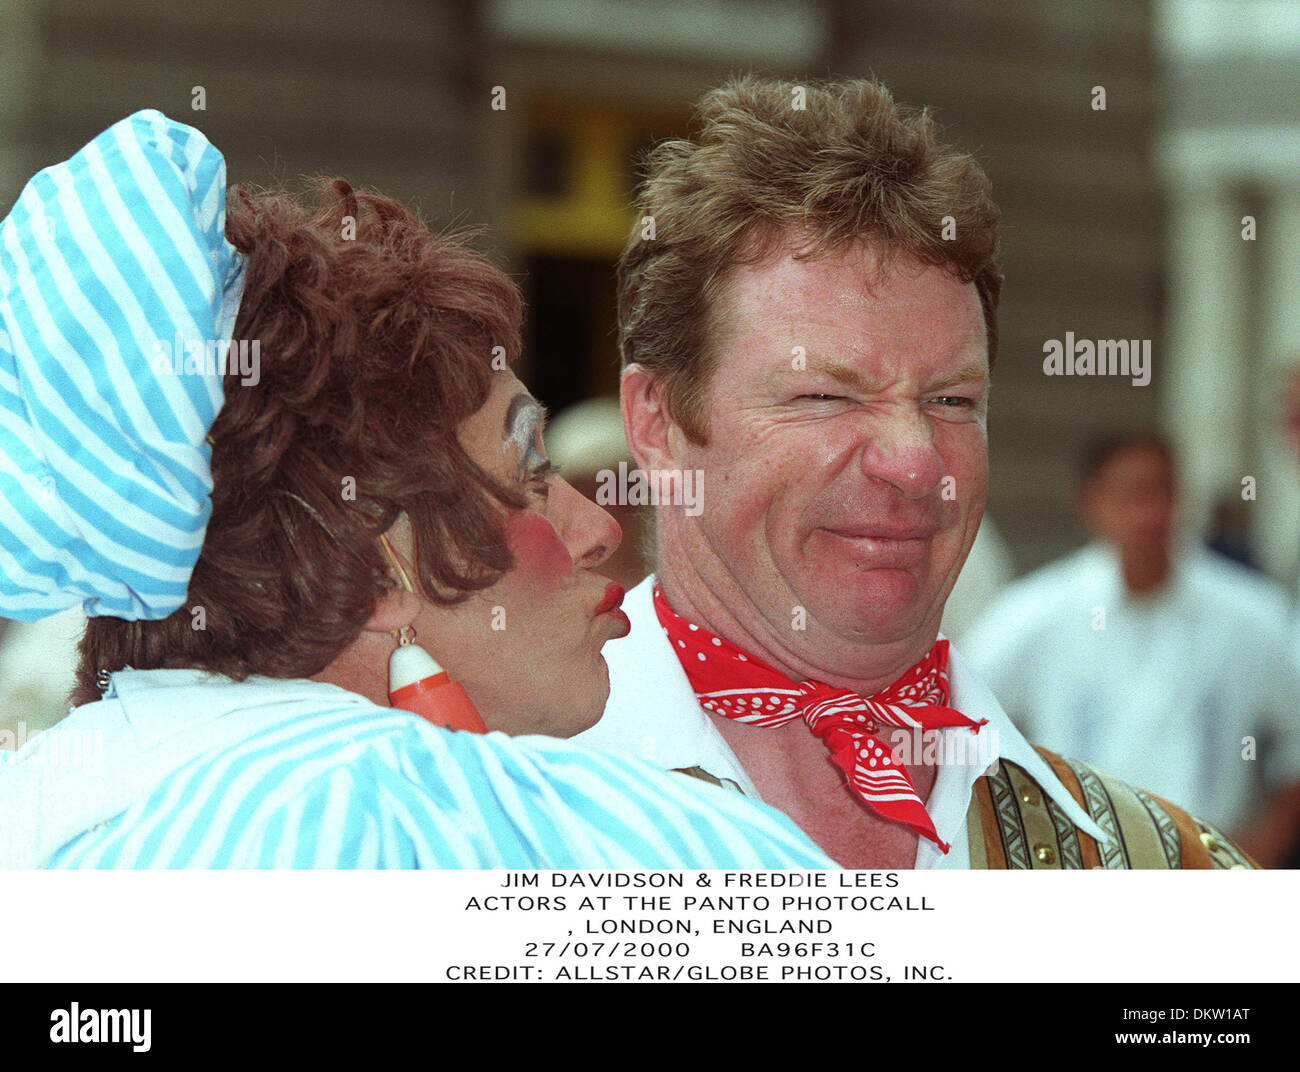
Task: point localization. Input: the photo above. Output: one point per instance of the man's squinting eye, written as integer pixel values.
(945, 400)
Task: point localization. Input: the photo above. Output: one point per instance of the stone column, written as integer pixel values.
(1277, 531)
(1201, 364)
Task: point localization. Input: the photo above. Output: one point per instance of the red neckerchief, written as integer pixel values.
(732, 683)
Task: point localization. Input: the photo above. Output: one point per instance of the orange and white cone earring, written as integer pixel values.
(416, 683)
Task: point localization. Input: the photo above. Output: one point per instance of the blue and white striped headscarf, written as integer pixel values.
(109, 263)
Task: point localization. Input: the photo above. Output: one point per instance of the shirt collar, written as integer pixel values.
(159, 704)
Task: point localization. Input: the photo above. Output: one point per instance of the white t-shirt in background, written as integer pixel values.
(1191, 692)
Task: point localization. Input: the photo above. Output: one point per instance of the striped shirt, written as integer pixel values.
(116, 286)
(200, 772)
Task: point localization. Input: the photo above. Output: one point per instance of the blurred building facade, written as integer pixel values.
(1229, 155)
(526, 116)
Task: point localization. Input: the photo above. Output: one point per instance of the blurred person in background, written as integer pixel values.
(587, 444)
(1170, 666)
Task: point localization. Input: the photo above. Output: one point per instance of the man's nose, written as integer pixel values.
(900, 450)
(589, 532)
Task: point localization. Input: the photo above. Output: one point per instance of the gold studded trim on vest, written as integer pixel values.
(1013, 824)
(1222, 851)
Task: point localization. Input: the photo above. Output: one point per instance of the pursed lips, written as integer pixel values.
(885, 533)
(608, 608)
(885, 545)
(612, 598)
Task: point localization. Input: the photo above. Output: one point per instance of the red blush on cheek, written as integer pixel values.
(541, 559)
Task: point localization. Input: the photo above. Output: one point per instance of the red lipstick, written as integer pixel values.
(612, 600)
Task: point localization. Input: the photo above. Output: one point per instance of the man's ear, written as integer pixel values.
(651, 434)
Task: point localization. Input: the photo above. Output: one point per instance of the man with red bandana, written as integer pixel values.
(808, 330)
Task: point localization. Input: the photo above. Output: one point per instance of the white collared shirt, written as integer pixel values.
(653, 714)
(1190, 692)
